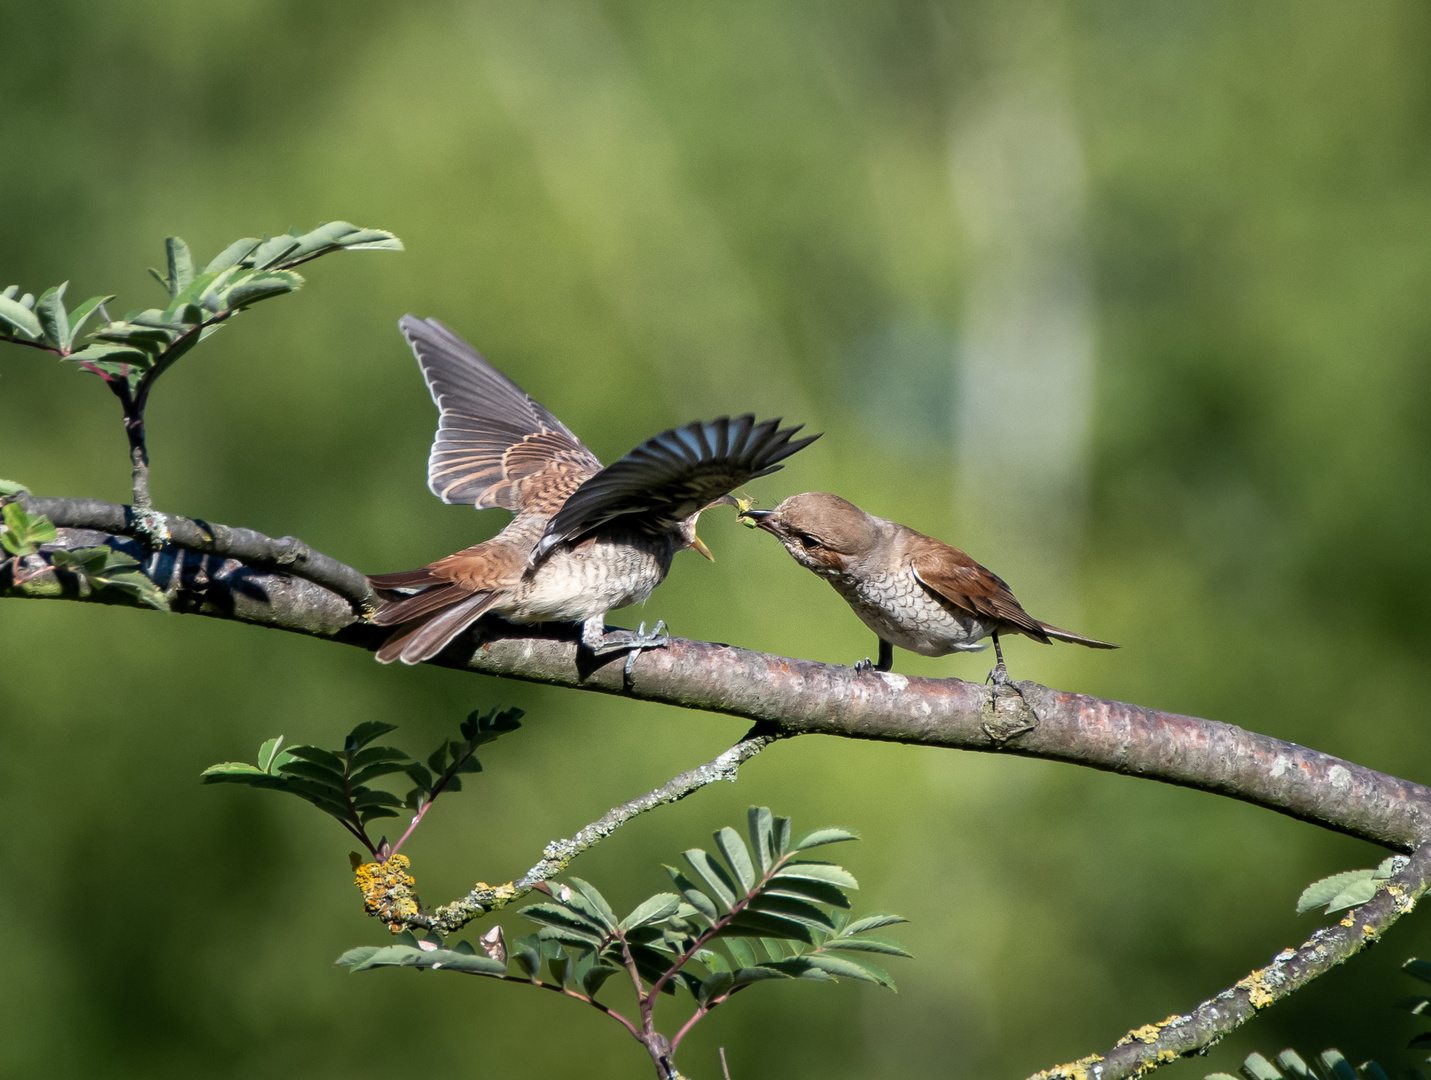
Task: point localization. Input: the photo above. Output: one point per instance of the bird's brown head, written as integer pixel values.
(822, 532)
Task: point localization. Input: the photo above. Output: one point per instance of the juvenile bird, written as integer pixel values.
(910, 589)
(584, 540)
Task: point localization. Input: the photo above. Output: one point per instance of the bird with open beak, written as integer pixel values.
(912, 590)
(584, 539)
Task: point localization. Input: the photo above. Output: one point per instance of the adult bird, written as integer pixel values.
(584, 539)
(912, 590)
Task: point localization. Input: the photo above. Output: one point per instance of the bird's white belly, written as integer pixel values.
(902, 612)
(573, 584)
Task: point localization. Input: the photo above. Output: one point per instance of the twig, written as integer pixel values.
(484, 899)
(1152, 1045)
(33, 344)
(568, 992)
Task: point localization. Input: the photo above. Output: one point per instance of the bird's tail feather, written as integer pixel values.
(424, 637)
(408, 579)
(1076, 639)
(396, 608)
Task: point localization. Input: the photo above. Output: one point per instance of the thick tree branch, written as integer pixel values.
(204, 569)
(193, 535)
(1147, 1047)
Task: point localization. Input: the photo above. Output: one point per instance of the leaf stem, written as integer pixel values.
(32, 344)
(437, 789)
(567, 992)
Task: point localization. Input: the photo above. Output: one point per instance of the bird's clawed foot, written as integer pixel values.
(999, 676)
(659, 637)
(632, 642)
(1001, 681)
(885, 662)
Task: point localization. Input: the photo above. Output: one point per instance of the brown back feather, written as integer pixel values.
(952, 575)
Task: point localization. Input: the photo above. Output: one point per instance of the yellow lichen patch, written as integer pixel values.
(1257, 989)
(1145, 1034)
(1077, 1070)
(1165, 1056)
(1369, 932)
(387, 890)
(1348, 921)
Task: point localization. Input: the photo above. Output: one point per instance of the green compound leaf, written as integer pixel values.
(824, 836)
(54, 319)
(22, 533)
(873, 921)
(734, 850)
(250, 288)
(658, 908)
(883, 945)
(760, 823)
(105, 568)
(233, 255)
(19, 317)
(430, 958)
(181, 265)
(693, 896)
(713, 874)
(81, 315)
(584, 898)
(817, 871)
(1339, 891)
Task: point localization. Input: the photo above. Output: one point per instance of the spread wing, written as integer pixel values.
(670, 477)
(952, 575)
(495, 446)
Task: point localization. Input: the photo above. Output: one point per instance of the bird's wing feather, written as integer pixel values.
(495, 445)
(668, 478)
(952, 575)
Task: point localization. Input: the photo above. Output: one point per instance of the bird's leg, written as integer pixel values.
(1000, 675)
(596, 639)
(886, 659)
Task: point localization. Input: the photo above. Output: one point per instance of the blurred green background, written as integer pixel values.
(1127, 299)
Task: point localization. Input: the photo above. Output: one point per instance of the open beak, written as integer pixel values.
(700, 546)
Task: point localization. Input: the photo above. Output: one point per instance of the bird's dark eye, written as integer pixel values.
(806, 540)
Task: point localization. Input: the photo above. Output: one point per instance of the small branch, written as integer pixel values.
(438, 789)
(139, 467)
(484, 899)
(1147, 1047)
(32, 344)
(567, 992)
(695, 1018)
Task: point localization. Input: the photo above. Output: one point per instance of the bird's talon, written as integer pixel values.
(861, 666)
